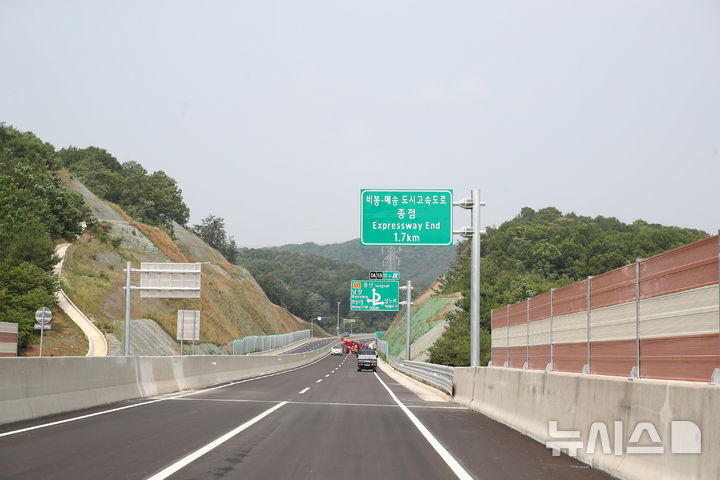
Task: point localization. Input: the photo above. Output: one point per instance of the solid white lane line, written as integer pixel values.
(318, 381)
(149, 402)
(245, 400)
(459, 471)
(183, 462)
(14, 432)
(304, 390)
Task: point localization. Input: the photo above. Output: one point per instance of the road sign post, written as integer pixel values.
(350, 321)
(406, 217)
(374, 296)
(161, 280)
(43, 317)
(425, 217)
(188, 328)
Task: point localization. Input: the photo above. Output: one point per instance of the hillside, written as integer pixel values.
(422, 265)
(232, 303)
(428, 321)
(309, 285)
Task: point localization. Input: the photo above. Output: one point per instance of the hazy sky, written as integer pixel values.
(274, 114)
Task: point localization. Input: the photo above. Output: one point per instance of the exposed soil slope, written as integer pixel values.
(232, 303)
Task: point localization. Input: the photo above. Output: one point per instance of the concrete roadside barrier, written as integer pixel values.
(463, 385)
(632, 429)
(37, 387)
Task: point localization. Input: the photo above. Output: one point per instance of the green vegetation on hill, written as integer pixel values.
(212, 231)
(154, 198)
(310, 285)
(34, 210)
(537, 251)
(422, 265)
(424, 317)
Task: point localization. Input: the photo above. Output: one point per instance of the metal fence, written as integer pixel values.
(440, 376)
(260, 343)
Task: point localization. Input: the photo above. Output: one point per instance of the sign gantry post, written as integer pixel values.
(473, 232)
(423, 217)
(408, 316)
(160, 280)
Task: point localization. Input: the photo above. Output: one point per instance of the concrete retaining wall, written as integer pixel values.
(37, 387)
(528, 400)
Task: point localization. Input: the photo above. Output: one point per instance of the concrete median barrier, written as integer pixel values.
(615, 416)
(37, 387)
(463, 385)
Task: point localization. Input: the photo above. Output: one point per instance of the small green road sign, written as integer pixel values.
(406, 217)
(385, 276)
(374, 295)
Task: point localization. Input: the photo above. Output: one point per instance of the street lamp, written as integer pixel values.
(311, 325)
(337, 327)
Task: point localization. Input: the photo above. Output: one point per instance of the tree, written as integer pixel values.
(34, 210)
(212, 231)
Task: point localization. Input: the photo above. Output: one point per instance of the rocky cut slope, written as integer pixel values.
(232, 303)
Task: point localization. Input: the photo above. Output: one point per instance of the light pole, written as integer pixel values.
(337, 327)
(311, 325)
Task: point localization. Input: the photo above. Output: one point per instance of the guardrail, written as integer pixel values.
(260, 343)
(440, 376)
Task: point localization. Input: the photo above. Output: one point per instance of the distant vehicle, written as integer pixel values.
(367, 359)
(336, 350)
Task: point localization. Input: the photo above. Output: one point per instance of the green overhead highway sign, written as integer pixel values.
(374, 295)
(406, 217)
(385, 276)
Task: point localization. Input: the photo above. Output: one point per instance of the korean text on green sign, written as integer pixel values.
(406, 217)
(374, 295)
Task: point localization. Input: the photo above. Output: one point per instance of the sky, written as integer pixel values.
(274, 114)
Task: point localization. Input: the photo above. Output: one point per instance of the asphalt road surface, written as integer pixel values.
(322, 421)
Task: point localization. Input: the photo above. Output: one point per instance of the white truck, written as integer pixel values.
(367, 359)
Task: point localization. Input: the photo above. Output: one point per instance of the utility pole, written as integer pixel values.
(337, 327)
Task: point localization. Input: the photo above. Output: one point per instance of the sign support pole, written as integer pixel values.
(408, 316)
(42, 332)
(475, 281)
(473, 232)
(195, 333)
(128, 271)
(182, 336)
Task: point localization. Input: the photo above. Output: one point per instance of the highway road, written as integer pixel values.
(321, 421)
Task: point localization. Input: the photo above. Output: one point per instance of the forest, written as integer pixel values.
(36, 210)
